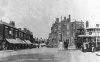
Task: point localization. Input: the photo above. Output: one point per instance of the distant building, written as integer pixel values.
(12, 23)
(27, 31)
(20, 29)
(54, 33)
(87, 24)
(97, 25)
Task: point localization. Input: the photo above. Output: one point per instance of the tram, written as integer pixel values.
(90, 42)
(12, 38)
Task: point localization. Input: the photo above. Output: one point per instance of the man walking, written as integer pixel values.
(66, 44)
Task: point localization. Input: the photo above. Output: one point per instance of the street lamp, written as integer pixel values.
(61, 29)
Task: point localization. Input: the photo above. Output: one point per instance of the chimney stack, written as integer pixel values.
(57, 19)
(64, 18)
(69, 17)
(87, 24)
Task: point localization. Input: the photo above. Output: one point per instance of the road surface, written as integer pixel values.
(36, 55)
(48, 55)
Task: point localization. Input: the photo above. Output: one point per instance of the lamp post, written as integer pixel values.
(61, 32)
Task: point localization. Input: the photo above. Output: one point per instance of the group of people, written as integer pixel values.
(64, 45)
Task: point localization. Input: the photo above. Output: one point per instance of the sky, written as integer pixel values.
(38, 15)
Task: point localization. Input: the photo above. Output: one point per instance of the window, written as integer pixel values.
(68, 27)
(16, 35)
(98, 39)
(1, 31)
(10, 30)
(68, 33)
(6, 32)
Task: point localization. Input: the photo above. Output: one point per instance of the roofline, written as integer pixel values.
(87, 36)
(94, 28)
(7, 24)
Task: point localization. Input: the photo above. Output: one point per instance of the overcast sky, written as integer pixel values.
(38, 15)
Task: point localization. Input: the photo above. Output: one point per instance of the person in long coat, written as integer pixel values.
(66, 44)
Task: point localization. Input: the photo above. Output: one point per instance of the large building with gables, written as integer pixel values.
(63, 30)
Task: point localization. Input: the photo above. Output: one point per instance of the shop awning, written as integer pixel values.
(14, 41)
(28, 42)
(19, 40)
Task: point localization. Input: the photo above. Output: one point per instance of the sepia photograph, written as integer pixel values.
(49, 30)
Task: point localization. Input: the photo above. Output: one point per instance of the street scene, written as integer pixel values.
(49, 31)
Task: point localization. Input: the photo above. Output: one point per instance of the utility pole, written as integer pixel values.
(61, 29)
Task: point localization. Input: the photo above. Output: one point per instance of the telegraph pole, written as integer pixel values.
(61, 29)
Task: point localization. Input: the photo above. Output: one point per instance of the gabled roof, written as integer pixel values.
(94, 28)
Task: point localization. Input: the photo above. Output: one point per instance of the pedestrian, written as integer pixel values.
(38, 44)
(61, 45)
(66, 44)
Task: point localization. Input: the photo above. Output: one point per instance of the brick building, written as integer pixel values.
(64, 30)
(77, 29)
(53, 36)
(87, 24)
(76, 25)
